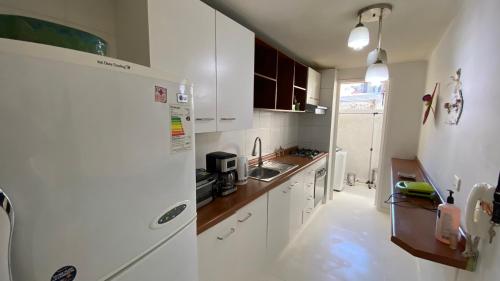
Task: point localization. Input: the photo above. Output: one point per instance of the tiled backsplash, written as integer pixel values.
(274, 128)
(315, 129)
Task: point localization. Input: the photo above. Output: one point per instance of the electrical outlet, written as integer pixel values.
(456, 183)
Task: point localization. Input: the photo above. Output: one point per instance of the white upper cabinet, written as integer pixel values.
(182, 42)
(313, 86)
(235, 53)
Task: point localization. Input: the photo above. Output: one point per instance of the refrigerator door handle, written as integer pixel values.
(170, 214)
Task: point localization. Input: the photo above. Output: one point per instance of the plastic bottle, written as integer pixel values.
(448, 220)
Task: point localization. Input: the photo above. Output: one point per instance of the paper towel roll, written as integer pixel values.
(242, 170)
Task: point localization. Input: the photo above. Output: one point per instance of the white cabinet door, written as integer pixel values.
(278, 233)
(217, 249)
(252, 234)
(296, 188)
(235, 71)
(313, 86)
(182, 42)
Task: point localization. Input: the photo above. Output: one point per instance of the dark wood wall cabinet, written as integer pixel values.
(284, 96)
(280, 82)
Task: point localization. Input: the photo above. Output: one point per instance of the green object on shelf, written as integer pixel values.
(44, 32)
(419, 189)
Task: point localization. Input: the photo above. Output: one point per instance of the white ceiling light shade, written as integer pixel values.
(359, 37)
(377, 73)
(374, 55)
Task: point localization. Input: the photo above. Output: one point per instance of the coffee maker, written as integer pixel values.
(224, 164)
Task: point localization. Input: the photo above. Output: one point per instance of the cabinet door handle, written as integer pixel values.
(228, 119)
(284, 191)
(245, 218)
(204, 119)
(225, 236)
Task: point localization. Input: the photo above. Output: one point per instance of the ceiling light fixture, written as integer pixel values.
(359, 36)
(374, 55)
(377, 71)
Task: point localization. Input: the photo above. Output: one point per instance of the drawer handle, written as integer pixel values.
(231, 231)
(205, 119)
(249, 215)
(309, 211)
(290, 187)
(284, 191)
(309, 198)
(228, 119)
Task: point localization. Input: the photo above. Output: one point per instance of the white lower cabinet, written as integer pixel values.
(296, 187)
(278, 233)
(239, 247)
(235, 248)
(217, 247)
(308, 198)
(252, 234)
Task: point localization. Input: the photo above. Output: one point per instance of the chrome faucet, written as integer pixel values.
(254, 152)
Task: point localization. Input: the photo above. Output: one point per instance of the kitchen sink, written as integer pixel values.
(270, 170)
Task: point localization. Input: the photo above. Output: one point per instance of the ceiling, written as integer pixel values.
(316, 31)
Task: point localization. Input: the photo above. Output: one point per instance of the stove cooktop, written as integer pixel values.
(305, 152)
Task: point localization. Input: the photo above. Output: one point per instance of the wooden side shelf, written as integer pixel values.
(413, 227)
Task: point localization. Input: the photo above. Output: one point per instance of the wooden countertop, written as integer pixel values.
(223, 207)
(413, 227)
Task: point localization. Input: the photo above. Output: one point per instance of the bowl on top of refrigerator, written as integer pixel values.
(49, 33)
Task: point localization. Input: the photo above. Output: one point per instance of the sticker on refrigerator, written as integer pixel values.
(160, 94)
(66, 273)
(180, 128)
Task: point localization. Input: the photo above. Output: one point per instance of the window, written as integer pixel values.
(362, 97)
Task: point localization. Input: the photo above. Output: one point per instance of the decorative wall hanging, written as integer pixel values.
(456, 104)
(428, 100)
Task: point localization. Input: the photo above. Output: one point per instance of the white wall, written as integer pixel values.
(132, 31)
(471, 149)
(402, 117)
(274, 128)
(355, 134)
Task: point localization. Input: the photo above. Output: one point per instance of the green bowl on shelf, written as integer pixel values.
(44, 32)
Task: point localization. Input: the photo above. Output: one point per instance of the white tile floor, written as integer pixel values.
(348, 240)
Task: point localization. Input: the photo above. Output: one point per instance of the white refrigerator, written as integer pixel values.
(97, 157)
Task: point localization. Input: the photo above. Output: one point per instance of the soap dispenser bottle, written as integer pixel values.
(448, 220)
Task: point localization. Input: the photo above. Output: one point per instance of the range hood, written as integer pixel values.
(316, 109)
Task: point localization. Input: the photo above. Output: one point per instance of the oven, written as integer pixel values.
(319, 185)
